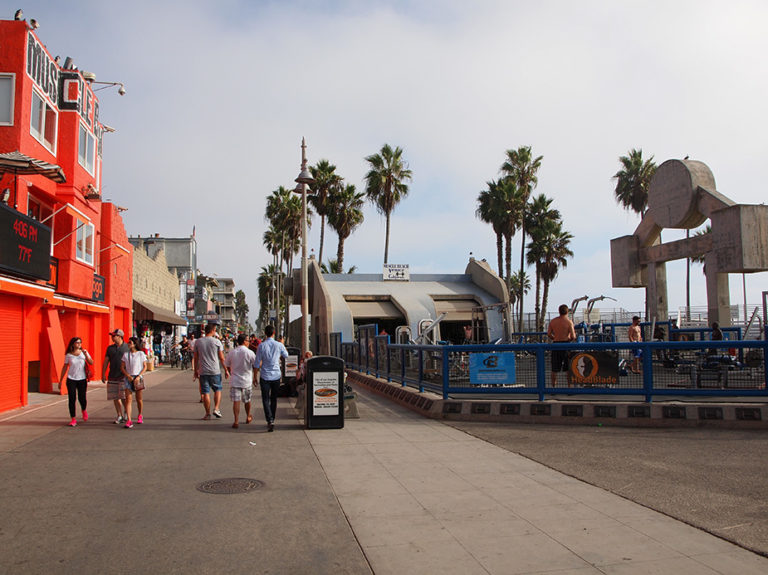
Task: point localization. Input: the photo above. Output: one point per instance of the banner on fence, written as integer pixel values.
(593, 367)
(492, 368)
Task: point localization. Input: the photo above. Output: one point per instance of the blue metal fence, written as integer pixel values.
(679, 368)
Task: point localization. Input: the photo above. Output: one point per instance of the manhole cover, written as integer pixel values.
(229, 486)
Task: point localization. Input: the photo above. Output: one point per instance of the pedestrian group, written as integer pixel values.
(125, 364)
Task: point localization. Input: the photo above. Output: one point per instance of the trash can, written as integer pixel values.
(325, 393)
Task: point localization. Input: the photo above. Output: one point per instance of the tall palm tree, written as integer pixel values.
(385, 183)
(633, 181)
(522, 168)
(501, 203)
(284, 212)
(519, 283)
(345, 215)
(556, 242)
(326, 182)
(267, 283)
(538, 216)
(490, 209)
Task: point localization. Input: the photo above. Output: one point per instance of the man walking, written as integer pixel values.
(268, 363)
(635, 336)
(112, 375)
(560, 331)
(241, 362)
(209, 358)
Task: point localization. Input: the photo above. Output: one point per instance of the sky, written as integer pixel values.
(220, 94)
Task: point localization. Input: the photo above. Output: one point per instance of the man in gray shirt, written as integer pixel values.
(209, 358)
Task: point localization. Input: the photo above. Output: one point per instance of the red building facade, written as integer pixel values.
(65, 260)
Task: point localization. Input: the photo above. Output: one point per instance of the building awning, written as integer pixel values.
(374, 310)
(456, 309)
(143, 311)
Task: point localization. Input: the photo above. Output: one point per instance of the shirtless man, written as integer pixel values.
(635, 336)
(560, 331)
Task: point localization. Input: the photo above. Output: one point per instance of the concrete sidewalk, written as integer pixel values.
(392, 492)
(424, 497)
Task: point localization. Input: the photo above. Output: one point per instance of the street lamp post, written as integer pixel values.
(304, 179)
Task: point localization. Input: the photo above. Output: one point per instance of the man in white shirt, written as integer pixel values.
(268, 362)
(209, 358)
(241, 362)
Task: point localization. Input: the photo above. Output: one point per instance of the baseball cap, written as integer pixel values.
(118, 332)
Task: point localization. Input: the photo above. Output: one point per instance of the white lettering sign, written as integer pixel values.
(397, 272)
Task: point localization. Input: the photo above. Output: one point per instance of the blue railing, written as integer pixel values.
(679, 368)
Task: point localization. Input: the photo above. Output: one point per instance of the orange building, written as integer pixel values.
(65, 260)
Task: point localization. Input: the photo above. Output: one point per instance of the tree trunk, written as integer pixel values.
(499, 253)
(340, 254)
(287, 316)
(508, 257)
(322, 238)
(539, 315)
(544, 298)
(522, 264)
(386, 242)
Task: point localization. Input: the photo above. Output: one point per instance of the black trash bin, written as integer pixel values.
(325, 392)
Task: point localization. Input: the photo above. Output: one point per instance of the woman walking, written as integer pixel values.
(77, 381)
(134, 366)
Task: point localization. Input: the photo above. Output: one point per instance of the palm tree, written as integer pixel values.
(344, 215)
(519, 283)
(333, 267)
(267, 283)
(326, 182)
(501, 203)
(556, 251)
(522, 168)
(633, 181)
(538, 216)
(385, 183)
(284, 212)
(490, 209)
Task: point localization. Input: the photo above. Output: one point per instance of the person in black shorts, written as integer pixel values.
(560, 331)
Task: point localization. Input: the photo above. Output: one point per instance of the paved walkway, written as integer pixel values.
(392, 492)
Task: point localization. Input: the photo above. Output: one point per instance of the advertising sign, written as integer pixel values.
(25, 245)
(397, 272)
(291, 365)
(325, 393)
(99, 285)
(492, 368)
(593, 368)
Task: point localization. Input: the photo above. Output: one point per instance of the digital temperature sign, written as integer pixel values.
(25, 245)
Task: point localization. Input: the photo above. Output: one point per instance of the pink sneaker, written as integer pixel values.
(128, 424)
(85, 415)
(140, 419)
(73, 423)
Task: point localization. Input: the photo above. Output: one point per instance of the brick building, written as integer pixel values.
(65, 259)
(155, 290)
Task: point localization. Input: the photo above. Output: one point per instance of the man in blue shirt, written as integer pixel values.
(268, 363)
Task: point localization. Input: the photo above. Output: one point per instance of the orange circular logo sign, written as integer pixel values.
(584, 365)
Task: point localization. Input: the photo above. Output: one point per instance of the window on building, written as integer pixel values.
(86, 149)
(84, 242)
(6, 99)
(43, 122)
(39, 211)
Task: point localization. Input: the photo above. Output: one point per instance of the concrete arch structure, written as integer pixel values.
(683, 195)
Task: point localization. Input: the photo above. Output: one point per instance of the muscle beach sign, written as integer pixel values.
(66, 89)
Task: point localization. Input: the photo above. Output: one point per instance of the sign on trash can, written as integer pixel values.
(325, 392)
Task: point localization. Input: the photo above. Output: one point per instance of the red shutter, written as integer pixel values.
(10, 352)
